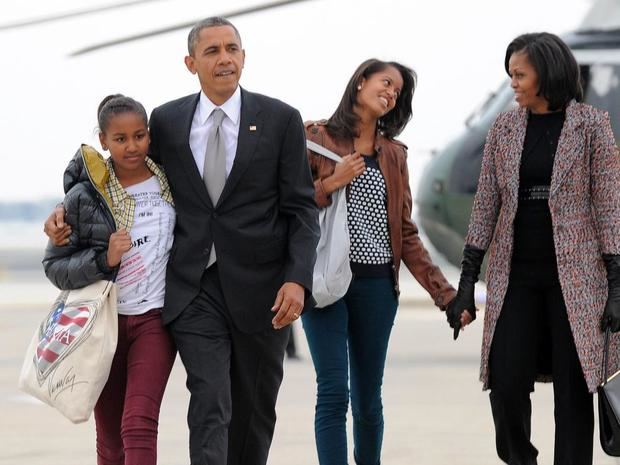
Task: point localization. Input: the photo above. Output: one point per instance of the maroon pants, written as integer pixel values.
(127, 412)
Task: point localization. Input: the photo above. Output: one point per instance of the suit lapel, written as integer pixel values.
(570, 146)
(250, 127)
(187, 110)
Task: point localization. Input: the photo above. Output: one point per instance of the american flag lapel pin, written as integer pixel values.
(252, 128)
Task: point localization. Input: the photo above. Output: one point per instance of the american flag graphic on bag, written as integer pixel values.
(59, 333)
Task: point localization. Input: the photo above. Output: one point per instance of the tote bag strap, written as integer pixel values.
(323, 151)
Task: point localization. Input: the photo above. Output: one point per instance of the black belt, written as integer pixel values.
(534, 193)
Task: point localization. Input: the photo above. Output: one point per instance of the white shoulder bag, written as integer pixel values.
(69, 357)
(332, 271)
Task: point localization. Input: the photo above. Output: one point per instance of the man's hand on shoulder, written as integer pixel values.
(288, 305)
(56, 228)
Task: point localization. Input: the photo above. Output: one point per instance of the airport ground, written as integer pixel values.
(435, 410)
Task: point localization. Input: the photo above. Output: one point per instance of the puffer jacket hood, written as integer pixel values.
(88, 165)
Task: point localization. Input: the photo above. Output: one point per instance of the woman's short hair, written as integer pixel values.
(559, 79)
(344, 121)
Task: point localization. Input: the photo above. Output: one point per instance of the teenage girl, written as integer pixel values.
(120, 219)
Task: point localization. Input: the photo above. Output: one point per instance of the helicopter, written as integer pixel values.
(447, 187)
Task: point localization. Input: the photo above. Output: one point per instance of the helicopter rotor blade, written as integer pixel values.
(176, 27)
(70, 14)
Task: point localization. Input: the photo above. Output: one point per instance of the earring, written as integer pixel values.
(359, 87)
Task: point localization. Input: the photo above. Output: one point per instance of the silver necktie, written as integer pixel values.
(214, 172)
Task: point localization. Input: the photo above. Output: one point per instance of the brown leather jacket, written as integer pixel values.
(404, 238)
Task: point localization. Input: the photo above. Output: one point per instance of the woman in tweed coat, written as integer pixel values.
(548, 209)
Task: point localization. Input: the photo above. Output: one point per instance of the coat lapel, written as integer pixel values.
(570, 146)
(187, 110)
(250, 127)
(511, 163)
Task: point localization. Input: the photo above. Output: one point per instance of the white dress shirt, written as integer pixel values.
(202, 123)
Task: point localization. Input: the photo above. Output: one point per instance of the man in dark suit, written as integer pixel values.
(240, 269)
(230, 318)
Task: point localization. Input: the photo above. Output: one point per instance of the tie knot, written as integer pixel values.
(217, 115)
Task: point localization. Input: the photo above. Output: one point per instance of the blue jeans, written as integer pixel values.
(351, 336)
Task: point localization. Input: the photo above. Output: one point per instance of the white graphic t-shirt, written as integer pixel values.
(141, 278)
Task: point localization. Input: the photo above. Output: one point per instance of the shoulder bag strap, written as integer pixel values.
(323, 151)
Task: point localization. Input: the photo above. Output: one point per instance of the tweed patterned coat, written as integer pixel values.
(584, 201)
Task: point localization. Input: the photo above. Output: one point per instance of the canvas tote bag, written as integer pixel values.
(332, 270)
(69, 357)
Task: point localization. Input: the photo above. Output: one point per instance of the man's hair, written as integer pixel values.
(559, 79)
(213, 21)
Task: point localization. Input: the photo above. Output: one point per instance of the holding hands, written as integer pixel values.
(462, 309)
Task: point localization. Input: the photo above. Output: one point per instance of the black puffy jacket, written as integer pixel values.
(88, 211)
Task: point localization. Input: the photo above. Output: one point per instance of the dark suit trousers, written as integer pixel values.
(233, 379)
(533, 322)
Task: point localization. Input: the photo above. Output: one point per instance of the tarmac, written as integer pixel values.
(435, 410)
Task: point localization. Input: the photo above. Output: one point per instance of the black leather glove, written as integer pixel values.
(611, 314)
(464, 300)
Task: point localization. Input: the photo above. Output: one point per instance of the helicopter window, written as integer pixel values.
(604, 80)
(602, 90)
(468, 157)
(485, 114)
(466, 170)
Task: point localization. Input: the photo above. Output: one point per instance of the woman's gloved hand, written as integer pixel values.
(464, 300)
(611, 314)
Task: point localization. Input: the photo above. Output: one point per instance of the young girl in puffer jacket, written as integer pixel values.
(120, 220)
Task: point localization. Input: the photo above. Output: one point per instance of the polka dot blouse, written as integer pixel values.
(367, 218)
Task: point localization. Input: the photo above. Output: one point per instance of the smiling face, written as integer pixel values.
(218, 60)
(127, 138)
(525, 84)
(378, 93)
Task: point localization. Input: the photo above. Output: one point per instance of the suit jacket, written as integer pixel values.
(584, 201)
(265, 224)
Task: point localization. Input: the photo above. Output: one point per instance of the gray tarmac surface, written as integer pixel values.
(435, 411)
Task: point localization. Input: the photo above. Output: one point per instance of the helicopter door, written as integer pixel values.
(602, 90)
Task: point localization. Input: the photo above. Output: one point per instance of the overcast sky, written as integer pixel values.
(303, 54)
